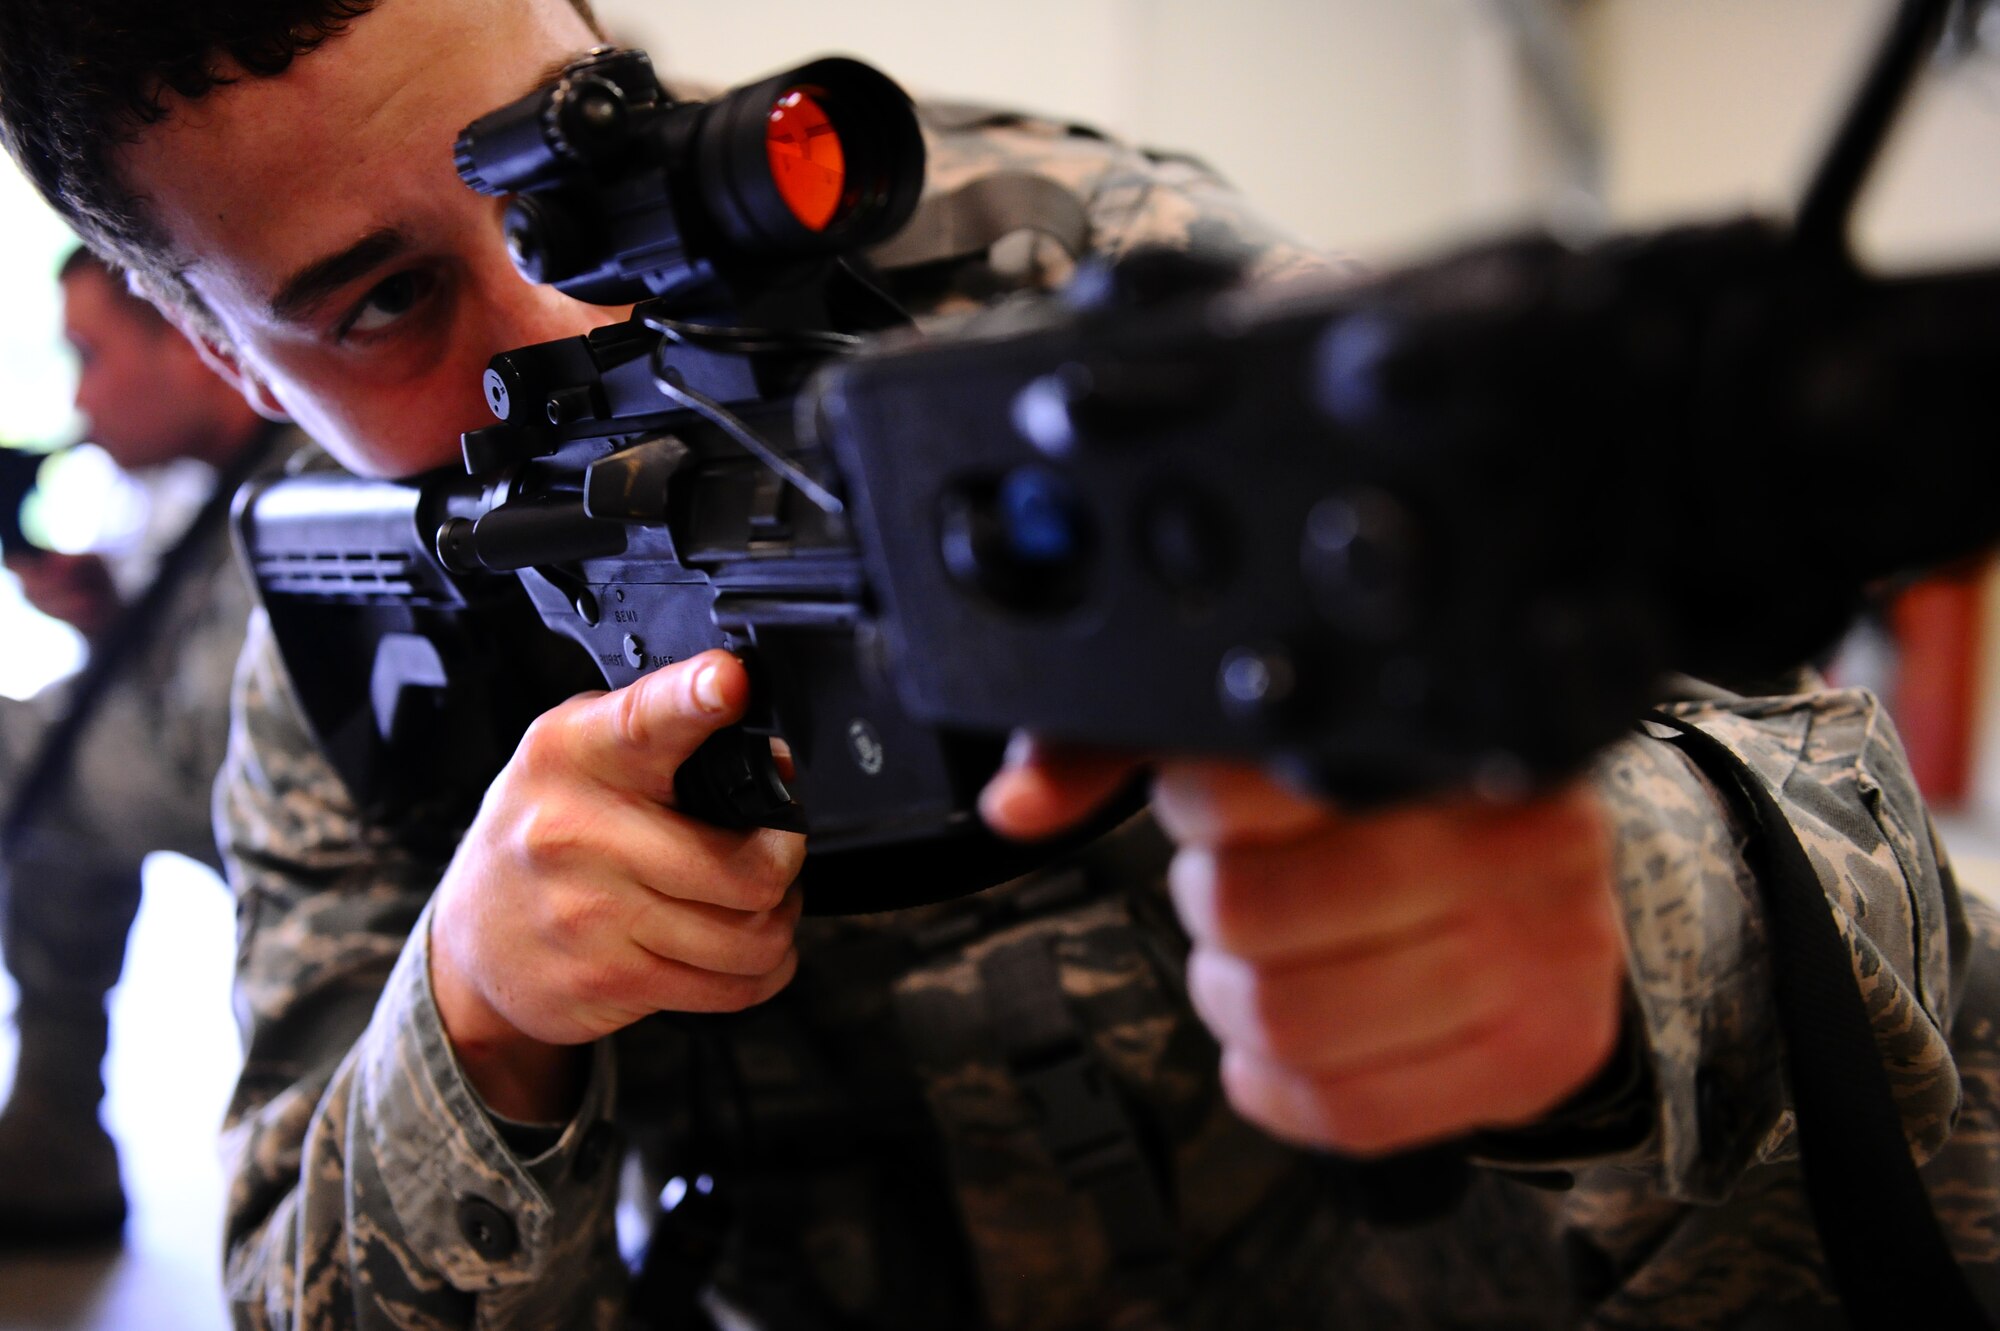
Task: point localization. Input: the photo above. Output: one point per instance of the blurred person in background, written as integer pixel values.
(116, 762)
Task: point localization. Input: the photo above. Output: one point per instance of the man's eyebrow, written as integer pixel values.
(304, 290)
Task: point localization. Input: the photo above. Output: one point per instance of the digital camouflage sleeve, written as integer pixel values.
(873, 1155)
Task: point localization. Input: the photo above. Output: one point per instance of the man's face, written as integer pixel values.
(132, 373)
(357, 279)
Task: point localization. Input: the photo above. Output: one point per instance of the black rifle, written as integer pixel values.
(1448, 528)
(648, 486)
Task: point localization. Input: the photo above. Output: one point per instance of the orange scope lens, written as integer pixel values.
(807, 161)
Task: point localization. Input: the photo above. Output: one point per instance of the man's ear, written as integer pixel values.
(220, 357)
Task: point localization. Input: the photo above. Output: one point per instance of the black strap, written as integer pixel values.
(128, 634)
(1885, 1252)
(1084, 1122)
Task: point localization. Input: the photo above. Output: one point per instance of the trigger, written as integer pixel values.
(732, 780)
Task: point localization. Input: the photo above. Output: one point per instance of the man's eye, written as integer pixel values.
(388, 301)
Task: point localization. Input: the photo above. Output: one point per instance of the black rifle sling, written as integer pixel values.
(127, 635)
(1089, 1131)
(1885, 1252)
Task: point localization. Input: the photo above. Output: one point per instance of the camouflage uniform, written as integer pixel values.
(878, 1153)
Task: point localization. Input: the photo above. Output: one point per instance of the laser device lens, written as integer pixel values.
(806, 159)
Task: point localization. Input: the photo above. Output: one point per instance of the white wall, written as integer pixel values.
(1350, 121)
(1716, 104)
(1390, 126)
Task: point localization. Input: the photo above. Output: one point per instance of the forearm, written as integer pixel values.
(517, 1076)
(355, 1143)
(385, 1191)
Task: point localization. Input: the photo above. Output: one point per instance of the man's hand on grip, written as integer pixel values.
(1376, 981)
(580, 900)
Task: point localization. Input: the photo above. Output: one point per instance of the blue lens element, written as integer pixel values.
(1040, 517)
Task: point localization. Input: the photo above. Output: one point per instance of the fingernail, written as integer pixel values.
(1002, 804)
(992, 805)
(708, 689)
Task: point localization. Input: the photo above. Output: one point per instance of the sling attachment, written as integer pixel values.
(1885, 1252)
(1090, 1132)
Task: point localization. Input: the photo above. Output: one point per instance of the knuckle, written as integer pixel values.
(1214, 993)
(1189, 881)
(543, 745)
(1181, 803)
(1278, 1025)
(763, 956)
(596, 984)
(780, 974)
(787, 851)
(1219, 905)
(755, 949)
(764, 872)
(1255, 1010)
(570, 918)
(1319, 1114)
(548, 834)
(734, 993)
(630, 720)
(760, 891)
(772, 942)
(1245, 1088)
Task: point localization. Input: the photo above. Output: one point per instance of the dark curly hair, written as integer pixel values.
(80, 78)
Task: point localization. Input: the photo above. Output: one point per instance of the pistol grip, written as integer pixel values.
(732, 780)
